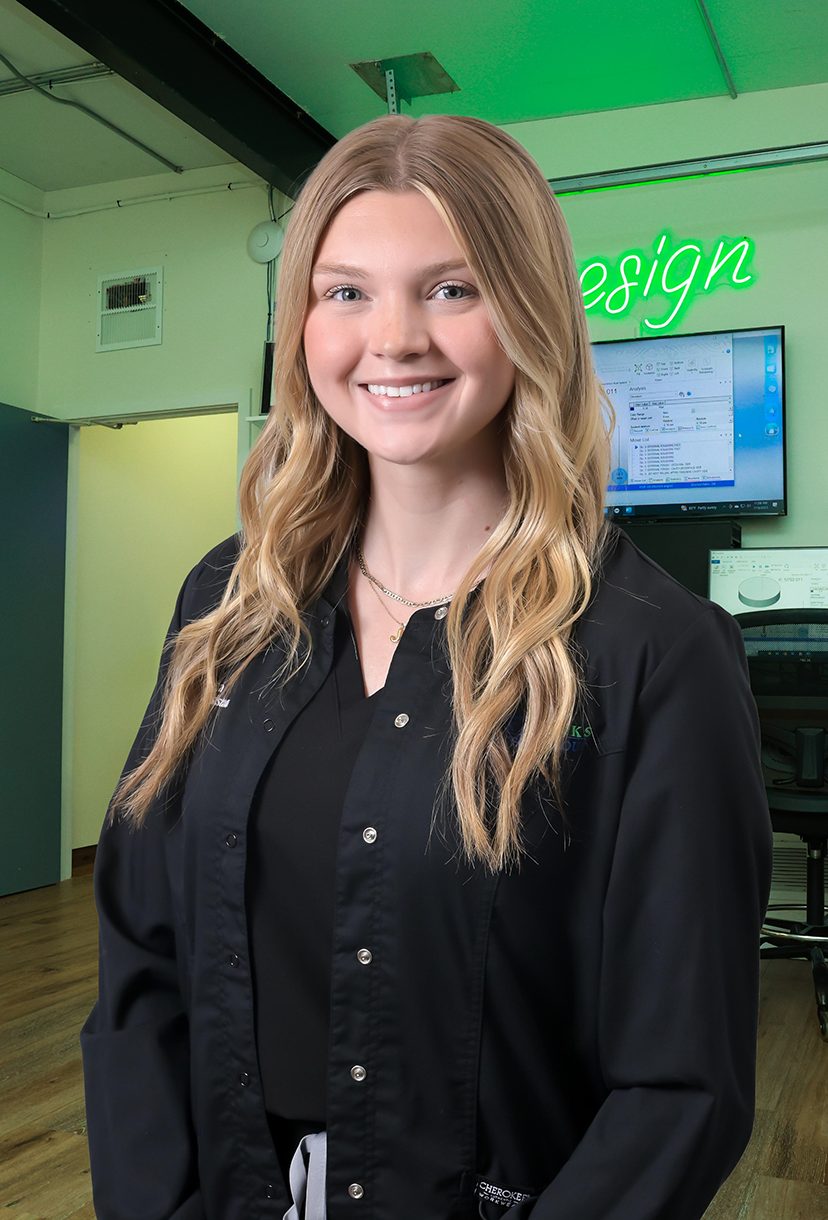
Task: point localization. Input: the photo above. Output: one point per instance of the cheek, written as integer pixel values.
(494, 370)
(504, 371)
(482, 356)
(328, 351)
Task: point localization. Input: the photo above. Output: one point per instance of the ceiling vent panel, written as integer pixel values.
(130, 305)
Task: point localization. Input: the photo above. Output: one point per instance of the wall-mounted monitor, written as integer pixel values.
(700, 424)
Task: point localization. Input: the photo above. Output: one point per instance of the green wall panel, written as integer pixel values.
(33, 468)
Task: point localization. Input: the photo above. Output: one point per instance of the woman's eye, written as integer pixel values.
(350, 294)
(454, 292)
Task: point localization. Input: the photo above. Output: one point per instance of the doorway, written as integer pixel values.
(152, 498)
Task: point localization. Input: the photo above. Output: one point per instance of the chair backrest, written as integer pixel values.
(787, 653)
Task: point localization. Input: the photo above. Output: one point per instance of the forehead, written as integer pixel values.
(386, 227)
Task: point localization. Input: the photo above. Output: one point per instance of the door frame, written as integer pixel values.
(237, 399)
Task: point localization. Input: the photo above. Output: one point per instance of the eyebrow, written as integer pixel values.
(357, 273)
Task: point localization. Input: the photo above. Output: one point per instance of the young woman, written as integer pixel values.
(443, 848)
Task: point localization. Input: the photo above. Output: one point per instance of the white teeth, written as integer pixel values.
(404, 391)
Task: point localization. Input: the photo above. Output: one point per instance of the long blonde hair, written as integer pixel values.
(305, 486)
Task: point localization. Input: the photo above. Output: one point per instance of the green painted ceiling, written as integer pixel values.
(524, 59)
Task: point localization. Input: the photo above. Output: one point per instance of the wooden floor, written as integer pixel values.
(48, 948)
(48, 951)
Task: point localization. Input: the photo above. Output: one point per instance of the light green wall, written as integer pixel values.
(785, 211)
(153, 498)
(675, 131)
(215, 311)
(214, 302)
(21, 252)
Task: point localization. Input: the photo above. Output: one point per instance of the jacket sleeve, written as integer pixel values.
(135, 1043)
(680, 975)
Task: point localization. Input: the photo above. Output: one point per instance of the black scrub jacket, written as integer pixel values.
(574, 1040)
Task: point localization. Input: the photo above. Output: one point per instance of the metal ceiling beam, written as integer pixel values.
(167, 53)
(762, 158)
(717, 50)
(63, 76)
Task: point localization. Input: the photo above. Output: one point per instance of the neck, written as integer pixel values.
(424, 528)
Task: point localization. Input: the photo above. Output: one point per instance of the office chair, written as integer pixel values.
(787, 653)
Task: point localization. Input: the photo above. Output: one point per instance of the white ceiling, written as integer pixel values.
(53, 146)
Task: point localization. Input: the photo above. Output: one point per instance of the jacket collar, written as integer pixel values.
(334, 592)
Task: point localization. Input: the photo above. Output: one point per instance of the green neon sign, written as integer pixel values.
(667, 279)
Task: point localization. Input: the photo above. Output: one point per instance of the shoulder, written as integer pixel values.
(631, 583)
(639, 618)
(206, 583)
(634, 601)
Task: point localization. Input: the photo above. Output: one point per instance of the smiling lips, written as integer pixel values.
(405, 391)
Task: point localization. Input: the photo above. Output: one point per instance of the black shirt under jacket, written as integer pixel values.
(578, 1034)
(291, 885)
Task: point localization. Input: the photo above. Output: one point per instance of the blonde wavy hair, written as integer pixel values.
(305, 486)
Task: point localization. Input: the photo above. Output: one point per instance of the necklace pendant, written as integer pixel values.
(395, 639)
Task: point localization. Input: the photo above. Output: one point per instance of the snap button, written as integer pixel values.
(358, 1072)
(267, 725)
(234, 960)
(244, 1080)
(270, 1193)
(401, 721)
(441, 612)
(369, 834)
(231, 840)
(365, 956)
(355, 1190)
(323, 622)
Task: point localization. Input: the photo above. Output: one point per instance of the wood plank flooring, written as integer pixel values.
(48, 947)
(783, 1174)
(48, 950)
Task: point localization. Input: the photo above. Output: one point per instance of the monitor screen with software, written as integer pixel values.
(699, 424)
(770, 578)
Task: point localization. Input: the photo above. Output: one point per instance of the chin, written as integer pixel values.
(396, 457)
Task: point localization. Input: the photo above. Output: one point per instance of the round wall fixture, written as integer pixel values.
(265, 242)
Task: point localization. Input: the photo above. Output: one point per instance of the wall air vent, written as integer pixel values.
(130, 305)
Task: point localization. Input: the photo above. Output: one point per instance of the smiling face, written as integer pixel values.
(398, 342)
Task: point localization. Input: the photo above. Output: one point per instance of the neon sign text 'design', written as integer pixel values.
(673, 271)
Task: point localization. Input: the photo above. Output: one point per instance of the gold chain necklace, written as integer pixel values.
(395, 639)
(434, 601)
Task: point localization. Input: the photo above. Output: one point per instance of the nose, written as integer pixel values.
(398, 329)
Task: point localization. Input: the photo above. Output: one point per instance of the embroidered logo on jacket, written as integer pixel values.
(503, 1196)
(577, 738)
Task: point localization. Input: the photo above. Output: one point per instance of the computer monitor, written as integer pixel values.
(770, 578)
(700, 424)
